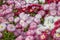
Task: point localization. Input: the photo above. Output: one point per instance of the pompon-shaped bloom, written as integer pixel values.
(4, 7)
(42, 27)
(38, 31)
(24, 16)
(49, 22)
(9, 15)
(42, 1)
(11, 27)
(52, 6)
(2, 19)
(23, 23)
(38, 16)
(41, 12)
(53, 12)
(30, 19)
(16, 33)
(33, 25)
(21, 15)
(17, 4)
(19, 31)
(30, 32)
(29, 38)
(17, 19)
(45, 6)
(32, 1)
(37, 20)
(7, 11)
(2, 26)
(10, 1)
(11, 19)
(19, 38)
(18, 26)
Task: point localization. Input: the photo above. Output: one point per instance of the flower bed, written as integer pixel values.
(29, 20)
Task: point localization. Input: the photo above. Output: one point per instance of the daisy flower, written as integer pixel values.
(42, 1)
(45, 6)
(29, 38)
(33, 25)
(19, 38)
(32, 1)
(29, 20)
(2, 26)
(10, 19)
(11, 27)
(16, 19)
(23, 23)
(49, 22)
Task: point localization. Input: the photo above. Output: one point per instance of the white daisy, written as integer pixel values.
(21, 14)
(38, 31)
(25, 17)
(49, 22)
(43, 1)
(31, 1)
(24, 24)
(2, 27)
(29, 20)
(58, 30)
(16, 19)
(42, 27)
(52, 6)
(37, 16)
(45, 6)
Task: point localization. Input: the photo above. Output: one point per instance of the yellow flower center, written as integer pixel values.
(57, 35)
(42, 36)
(1, 26)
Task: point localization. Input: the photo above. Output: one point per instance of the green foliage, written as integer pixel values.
(14, 10)
(1, 2)
(8, 36)
(32, 14)
(42, 20)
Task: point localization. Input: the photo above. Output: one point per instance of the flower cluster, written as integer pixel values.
(30, 19)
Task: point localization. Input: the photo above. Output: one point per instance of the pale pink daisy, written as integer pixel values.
(11, 27)
(19, 38)
(10, 19)
(29, 38)
(33, 25)
(16, 19)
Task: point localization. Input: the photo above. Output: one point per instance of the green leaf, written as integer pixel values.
(1, 2)
(32, 14)
(42, 20)
(14, 10)
(8, 36)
